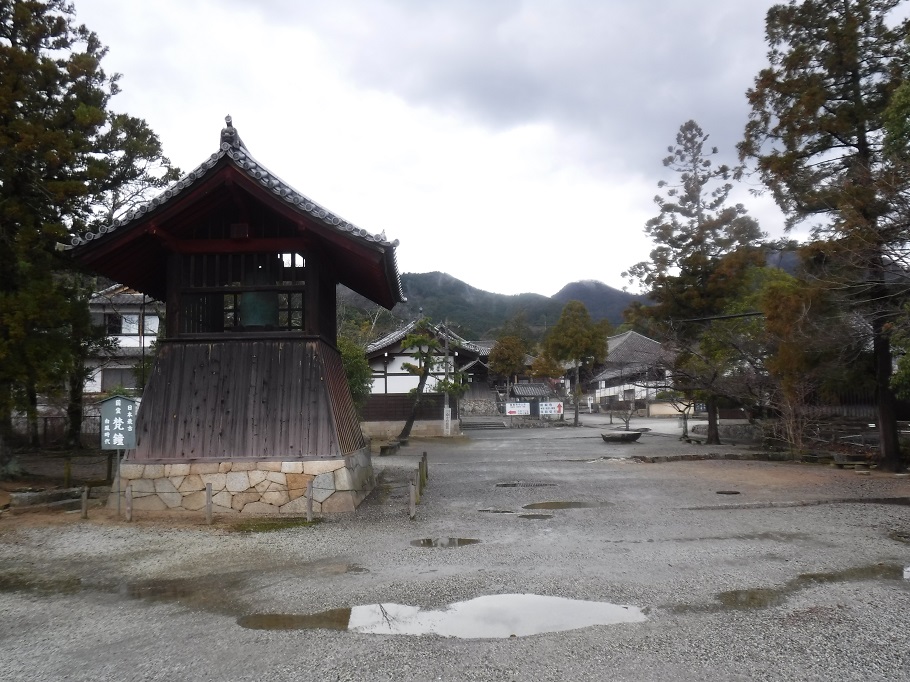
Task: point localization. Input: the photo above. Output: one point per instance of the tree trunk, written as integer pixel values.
(577, 393)
(74, 411)
(713, 432)
(31, 412)
(6, 456)
(409, 424)
(6, 412)
(889, 443)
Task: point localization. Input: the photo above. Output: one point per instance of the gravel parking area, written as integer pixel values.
(745, 570)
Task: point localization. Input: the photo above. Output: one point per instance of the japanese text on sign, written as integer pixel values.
(550, 408)
(518, 409)
(118, 423)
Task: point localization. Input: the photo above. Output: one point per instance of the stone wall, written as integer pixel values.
(478, 408)
(250, 488)
(385, 430)
(738, 431)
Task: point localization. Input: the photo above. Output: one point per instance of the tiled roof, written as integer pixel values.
(628, 354)
(632, 347)
(530, 390)
(232, 147)
(118, 294)
(392, 338)
(439, 330)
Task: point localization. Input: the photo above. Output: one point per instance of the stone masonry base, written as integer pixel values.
(249, 488)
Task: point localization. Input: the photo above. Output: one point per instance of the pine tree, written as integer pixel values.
(703, 249)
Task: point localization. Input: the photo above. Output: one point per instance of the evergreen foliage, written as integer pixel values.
(817, 134)
(68, 162)
(425, 347)
(704, 249)
(507, 358)
(356, 370)
(577, 339)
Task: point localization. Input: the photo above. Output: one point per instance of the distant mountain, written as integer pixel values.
(603, 302)
(477, 314)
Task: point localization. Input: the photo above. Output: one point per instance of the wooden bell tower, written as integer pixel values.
(248, 268)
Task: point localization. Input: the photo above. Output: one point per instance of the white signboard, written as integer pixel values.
(447, 421)
(550, 409)
(518, 409)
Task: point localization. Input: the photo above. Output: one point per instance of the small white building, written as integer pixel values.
(634, 370)
(387, 359)
(133, 320)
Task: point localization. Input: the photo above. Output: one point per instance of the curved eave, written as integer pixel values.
(135, 231)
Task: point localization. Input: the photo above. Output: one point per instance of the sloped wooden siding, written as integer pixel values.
(256, 399)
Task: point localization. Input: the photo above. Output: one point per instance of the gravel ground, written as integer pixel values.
(788, 580)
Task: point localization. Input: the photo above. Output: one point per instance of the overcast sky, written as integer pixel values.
(514, 144)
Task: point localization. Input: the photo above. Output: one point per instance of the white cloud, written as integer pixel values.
(514, 145)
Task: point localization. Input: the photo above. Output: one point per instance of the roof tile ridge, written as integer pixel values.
(168, 193)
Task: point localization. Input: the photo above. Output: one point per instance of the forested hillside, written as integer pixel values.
(478, 314)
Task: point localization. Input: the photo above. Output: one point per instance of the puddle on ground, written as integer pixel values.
(444, 542)
(567, 505)
(728, 492)
(525, 484)
(212, 593)
(335, 619)
(39, 584)
(490, 617)
(536, 517)
(496, 511)
(765, 597)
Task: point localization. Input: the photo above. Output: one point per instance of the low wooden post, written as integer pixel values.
(412, 509)
(426, 466)
(85, 502)
(309, 502)
(208, 503)
(119, 480)
(129, 503)
(416, 484)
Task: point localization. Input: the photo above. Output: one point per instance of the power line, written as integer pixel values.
(722, 317)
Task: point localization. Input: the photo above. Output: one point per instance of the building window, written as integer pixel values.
(112, 377)
(113, 322)
(127, 324)
(241, 293)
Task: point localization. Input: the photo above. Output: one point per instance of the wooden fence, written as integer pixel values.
(385, 407)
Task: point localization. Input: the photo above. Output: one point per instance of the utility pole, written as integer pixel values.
(446, 410)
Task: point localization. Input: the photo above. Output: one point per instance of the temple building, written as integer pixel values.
(247, 391)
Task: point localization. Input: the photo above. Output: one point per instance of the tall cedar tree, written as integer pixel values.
(577, 339)
(67, 163)
(703, 248)
(816, 132)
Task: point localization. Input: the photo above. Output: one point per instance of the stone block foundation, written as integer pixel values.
(249, 487)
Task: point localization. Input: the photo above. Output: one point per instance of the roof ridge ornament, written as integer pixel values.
(230, 136)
